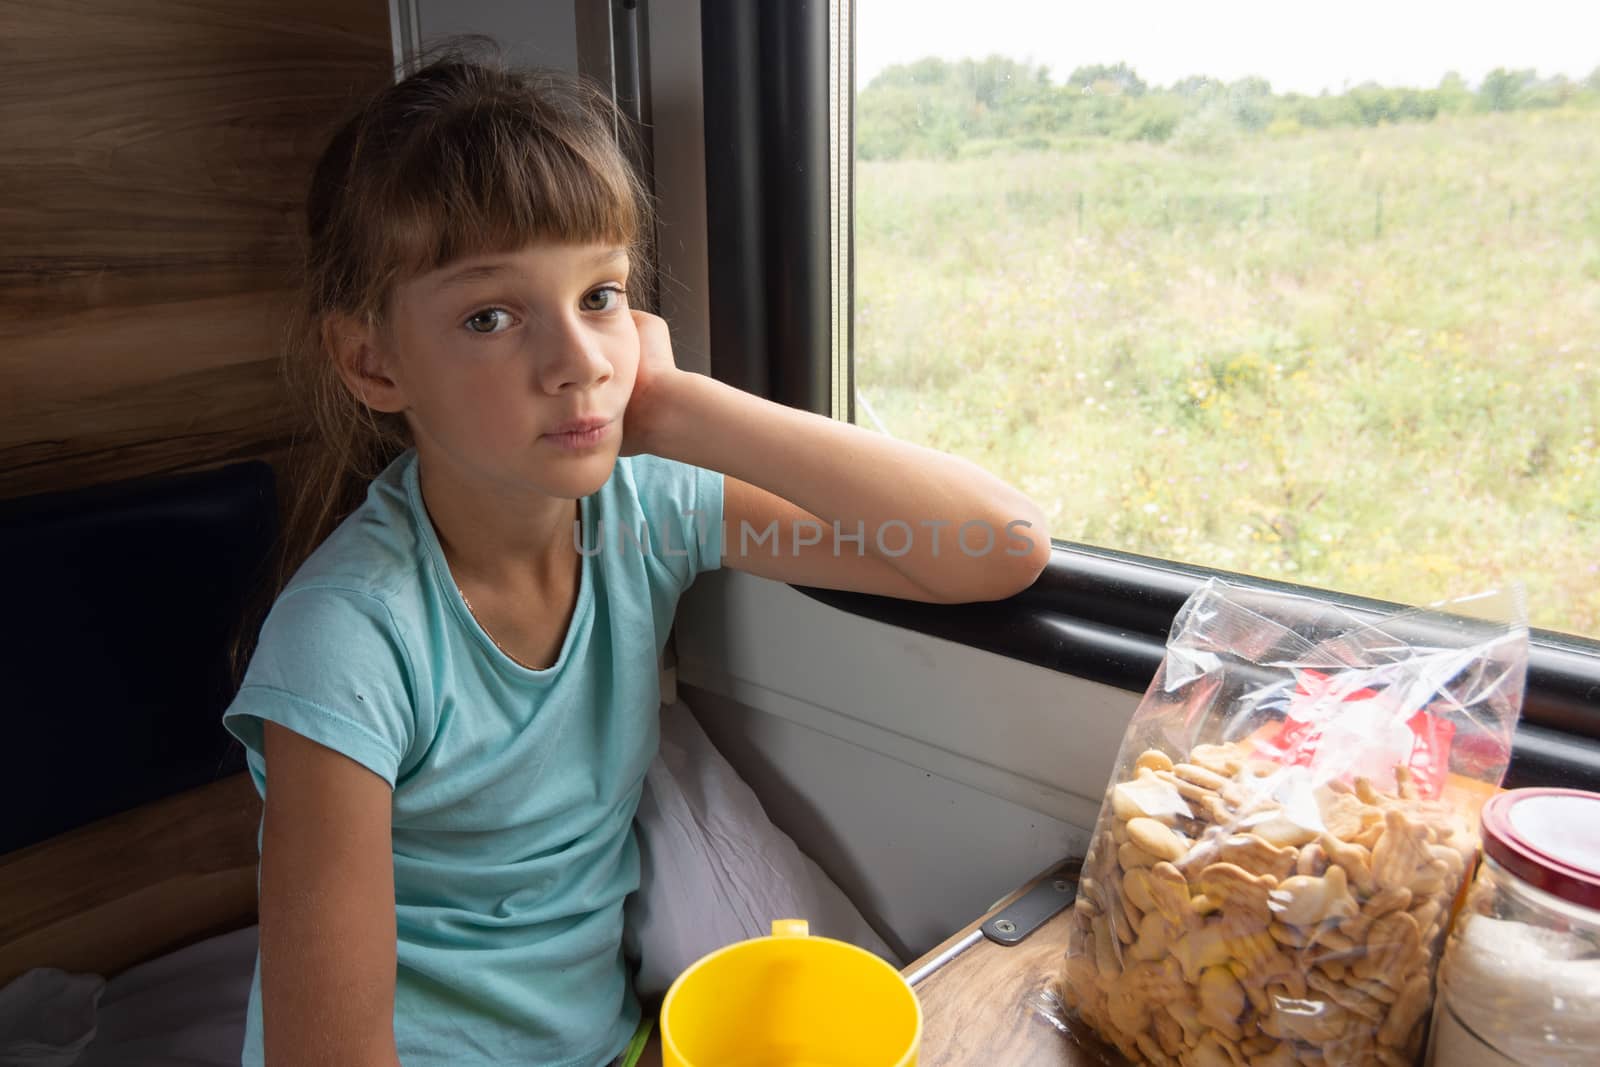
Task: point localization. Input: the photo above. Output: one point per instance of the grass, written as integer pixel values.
(1361, 359)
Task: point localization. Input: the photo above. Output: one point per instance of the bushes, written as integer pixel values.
(936, 109)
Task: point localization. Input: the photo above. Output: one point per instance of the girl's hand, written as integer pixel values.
(652, 384)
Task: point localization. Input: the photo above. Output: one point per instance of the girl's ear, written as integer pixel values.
(359, 352)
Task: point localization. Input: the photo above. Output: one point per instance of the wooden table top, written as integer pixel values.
(980, 1008)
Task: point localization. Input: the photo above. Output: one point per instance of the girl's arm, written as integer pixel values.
(792, 475)
(328, 933)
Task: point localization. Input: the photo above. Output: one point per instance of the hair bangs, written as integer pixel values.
(497, 179)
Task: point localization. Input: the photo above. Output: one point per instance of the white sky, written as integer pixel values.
(1295, 45)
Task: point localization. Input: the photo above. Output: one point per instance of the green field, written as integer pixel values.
(1359, 358)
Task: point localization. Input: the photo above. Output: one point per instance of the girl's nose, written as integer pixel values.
(571, 359)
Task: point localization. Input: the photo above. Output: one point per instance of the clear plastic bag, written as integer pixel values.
(1289, 823)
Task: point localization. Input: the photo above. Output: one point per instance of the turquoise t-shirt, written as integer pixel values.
(514, 789)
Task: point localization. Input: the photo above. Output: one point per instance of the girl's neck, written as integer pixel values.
(496, 535)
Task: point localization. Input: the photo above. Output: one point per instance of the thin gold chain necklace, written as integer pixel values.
(489, 635)
(492, 639)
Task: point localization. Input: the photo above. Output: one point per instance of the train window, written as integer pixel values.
(1243, 287)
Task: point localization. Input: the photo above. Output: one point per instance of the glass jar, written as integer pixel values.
(1520, 979)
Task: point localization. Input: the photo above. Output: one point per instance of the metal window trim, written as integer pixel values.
(841, 206)
(405, 36)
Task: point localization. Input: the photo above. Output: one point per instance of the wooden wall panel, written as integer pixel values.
(153, 160)
(133, 886)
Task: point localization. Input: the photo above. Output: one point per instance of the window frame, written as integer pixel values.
(1096, 613)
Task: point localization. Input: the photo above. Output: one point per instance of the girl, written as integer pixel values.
(454, 698)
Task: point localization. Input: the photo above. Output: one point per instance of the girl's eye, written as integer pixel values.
(489, 320)
(605, 299)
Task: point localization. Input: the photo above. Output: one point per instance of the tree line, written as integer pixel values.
(932, 107)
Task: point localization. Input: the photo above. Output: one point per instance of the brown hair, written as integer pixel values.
(463, 157)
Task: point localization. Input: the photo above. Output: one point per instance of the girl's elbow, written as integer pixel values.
(1022, 570)
(1028, 551)
(1005, 574)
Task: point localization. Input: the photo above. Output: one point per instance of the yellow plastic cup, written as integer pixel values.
(790, 1000)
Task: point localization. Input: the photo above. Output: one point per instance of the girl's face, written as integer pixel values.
(515, 368)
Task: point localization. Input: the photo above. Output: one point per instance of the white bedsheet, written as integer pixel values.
(47, 1017)
(714, 868)
(184, 1009)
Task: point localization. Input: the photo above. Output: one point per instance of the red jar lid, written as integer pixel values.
(1549, 838)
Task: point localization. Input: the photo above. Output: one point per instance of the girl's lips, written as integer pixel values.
(580, 440)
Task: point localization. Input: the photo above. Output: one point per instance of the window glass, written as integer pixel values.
(1310, 292)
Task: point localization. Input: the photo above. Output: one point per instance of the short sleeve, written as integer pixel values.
(329, 665)
(682, 506)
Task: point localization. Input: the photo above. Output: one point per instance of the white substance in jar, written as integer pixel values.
(1514, 993)
(1520, 979)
